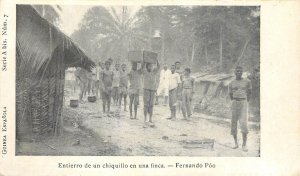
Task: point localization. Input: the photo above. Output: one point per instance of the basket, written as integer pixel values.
(74, 103)
(92, 99)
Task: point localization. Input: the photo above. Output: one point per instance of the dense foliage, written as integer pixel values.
(207, 38)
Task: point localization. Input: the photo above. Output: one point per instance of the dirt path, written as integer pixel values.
(166, 138)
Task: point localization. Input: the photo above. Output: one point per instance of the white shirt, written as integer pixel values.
(174, 80)
(97, 72)
(116, 78)
(164, 74)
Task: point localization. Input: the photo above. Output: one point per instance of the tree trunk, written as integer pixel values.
(163, 59)
(193, 52)
(206, 57)
(242, 53)
(221, 49)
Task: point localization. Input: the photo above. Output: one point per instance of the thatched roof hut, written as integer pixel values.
(212, 94)
(43, 53)
(214, 85)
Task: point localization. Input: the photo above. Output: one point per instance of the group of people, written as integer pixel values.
(117, 83)
(176, 86)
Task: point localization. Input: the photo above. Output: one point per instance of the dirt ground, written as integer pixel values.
(89, 132)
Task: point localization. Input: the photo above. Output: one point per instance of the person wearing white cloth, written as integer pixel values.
(174, 82)
(163, 87)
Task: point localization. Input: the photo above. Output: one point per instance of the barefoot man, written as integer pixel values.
(179, 88)
(106, 78)
(174, 82)
(134, 89)
(149, 89)
(116, 84)
(123, 85)
(187, 93)
(240, 91)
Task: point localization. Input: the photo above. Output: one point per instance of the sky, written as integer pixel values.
(71, 16)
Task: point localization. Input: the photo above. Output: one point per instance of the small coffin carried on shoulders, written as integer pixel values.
(140, 55)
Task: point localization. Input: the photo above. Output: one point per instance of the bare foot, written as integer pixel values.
(244, 148)
(236, 146)
(151, 124)
(145, 125)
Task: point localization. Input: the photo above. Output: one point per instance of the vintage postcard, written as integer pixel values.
(150, 88)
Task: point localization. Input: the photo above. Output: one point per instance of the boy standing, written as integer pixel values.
(115, 83)
(149, 89)
(187, 93)
(98, 84)
(82, 79)
(123, 85)
(91, 81)
(134, 88)
(179, 89)
(106, 78)
(174, 82)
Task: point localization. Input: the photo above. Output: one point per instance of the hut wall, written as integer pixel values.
(39, 100)
(201, 88)
(23, 101)
(55, 88)
(213, 89)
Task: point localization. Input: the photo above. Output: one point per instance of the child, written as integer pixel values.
(123, 85)
(91, 81)
(149, 89)
(98, 84)
(187, 93)
(179, 89)
(82, 79)
(115, 84)
(134, 88)
(106, 78)
(174, 81)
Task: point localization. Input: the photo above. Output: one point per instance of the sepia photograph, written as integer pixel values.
(177, 80)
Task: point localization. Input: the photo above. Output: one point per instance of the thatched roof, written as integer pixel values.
(213, 78)
(37, 39)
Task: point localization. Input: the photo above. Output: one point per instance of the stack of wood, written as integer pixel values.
(203, 143)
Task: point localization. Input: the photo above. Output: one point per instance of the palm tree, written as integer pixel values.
(112, 32)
